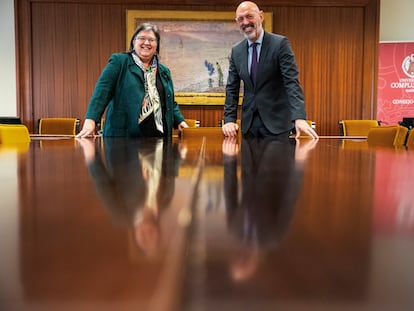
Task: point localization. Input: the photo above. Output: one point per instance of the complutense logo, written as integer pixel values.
(408, 65)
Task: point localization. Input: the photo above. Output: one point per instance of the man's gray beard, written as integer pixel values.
(253, 34)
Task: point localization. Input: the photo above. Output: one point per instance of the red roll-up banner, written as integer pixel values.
(395, 82)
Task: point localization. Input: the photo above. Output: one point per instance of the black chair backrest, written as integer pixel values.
(10, 120)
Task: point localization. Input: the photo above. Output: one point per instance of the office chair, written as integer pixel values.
(10, 120)
(192, 123)
(407, 122)
(356, 127)
(14, 134)
(58, 126)
(387, 136)
(208, 132)
(410, 140)
(100, 126)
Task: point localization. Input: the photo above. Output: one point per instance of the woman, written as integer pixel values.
(137, 91)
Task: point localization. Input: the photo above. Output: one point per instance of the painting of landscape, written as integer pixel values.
(195, 46)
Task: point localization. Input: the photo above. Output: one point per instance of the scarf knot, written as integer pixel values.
(151, 103)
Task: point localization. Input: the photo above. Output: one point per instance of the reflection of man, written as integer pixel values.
(271, 180)
(135, 183)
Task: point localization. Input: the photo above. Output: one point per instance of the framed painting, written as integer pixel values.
(196, 46)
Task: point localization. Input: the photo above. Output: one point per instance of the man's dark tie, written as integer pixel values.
(253, 67)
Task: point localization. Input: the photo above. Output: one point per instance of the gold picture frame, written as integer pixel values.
(195, 45)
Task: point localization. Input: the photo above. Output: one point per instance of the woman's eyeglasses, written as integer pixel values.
(143, 39)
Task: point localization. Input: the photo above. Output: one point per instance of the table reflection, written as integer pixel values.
(269, 187)
(135, 180)
(122, 224)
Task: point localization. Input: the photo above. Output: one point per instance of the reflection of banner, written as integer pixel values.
(395, 82)
(394, 195)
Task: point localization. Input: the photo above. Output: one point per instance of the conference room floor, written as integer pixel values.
(206, 224)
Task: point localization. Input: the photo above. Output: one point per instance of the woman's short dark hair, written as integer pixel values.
(142, 27)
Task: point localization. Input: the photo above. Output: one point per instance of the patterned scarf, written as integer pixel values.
(151, 103)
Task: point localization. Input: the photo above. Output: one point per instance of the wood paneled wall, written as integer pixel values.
(63, 45)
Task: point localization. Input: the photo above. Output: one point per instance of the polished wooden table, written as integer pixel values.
(206, 224)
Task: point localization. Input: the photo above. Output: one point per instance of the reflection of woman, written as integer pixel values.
(271, 181)
(136, 183)
(138, 91)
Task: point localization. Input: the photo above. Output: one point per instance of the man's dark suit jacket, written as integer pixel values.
(277, 95)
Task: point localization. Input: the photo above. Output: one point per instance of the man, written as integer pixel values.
(273, 101)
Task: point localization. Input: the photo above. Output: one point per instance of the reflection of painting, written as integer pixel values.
(196, 47)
